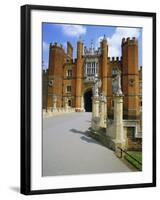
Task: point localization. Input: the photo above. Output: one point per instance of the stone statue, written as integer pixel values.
(118, 90)
(97, 85)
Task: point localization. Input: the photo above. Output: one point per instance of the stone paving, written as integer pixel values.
(68, 150)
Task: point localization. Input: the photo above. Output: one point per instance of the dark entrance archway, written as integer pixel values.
(88, 101)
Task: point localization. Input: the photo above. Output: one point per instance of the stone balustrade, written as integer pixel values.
(57, 111)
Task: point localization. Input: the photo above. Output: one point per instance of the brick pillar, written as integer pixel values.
(130, 78)
(79, 75)
(55, 71)
(104, 56)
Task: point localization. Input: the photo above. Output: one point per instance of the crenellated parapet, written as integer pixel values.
(112, 60)
(45, 72)
(129, 41)
(140, 68)
(55, 45)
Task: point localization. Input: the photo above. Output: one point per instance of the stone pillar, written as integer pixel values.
(96, 106)
(54, 108)
(95, 112)
(103, 111)
(95, 103)
(66, 104)
(118, 123)
(82, 104)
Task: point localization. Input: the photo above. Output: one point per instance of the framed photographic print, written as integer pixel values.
(88, 99)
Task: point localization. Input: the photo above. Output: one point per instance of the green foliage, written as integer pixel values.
(137, 155)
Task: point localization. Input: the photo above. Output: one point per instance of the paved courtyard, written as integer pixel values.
(67, 148)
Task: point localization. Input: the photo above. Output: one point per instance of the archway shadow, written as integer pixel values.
(88, 100)
(85, 136)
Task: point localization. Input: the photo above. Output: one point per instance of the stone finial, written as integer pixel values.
(104, 37)
(123, 40)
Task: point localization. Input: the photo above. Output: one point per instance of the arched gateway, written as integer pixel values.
(88, 100)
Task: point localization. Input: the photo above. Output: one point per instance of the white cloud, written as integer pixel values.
(45, 46)
(64, 46)
(114, 42)
(97, 44)
(74, 30)
(45, 65)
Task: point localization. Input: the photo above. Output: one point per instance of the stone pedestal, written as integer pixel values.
(103, 112)
(82, 104)
(118, 123)
(54, 108)
(95, 112)
(95, 106)
(66, 104)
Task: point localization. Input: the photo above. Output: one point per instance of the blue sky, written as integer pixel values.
(61, 33)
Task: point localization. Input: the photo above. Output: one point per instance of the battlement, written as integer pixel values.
(56, 45)
(140, 68)
(104, 39)
(114, 59)
(45, 71)
(129, 41)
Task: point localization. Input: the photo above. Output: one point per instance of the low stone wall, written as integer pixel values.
(132, 143)
(107, 138)
(110, 130)
(57, 111)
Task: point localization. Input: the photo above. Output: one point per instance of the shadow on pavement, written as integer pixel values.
(85, 136)
(80, 132)
(89, 140)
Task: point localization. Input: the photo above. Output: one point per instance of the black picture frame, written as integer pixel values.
(26, 98)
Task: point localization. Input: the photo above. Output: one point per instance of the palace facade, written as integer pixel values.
(72, 80)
